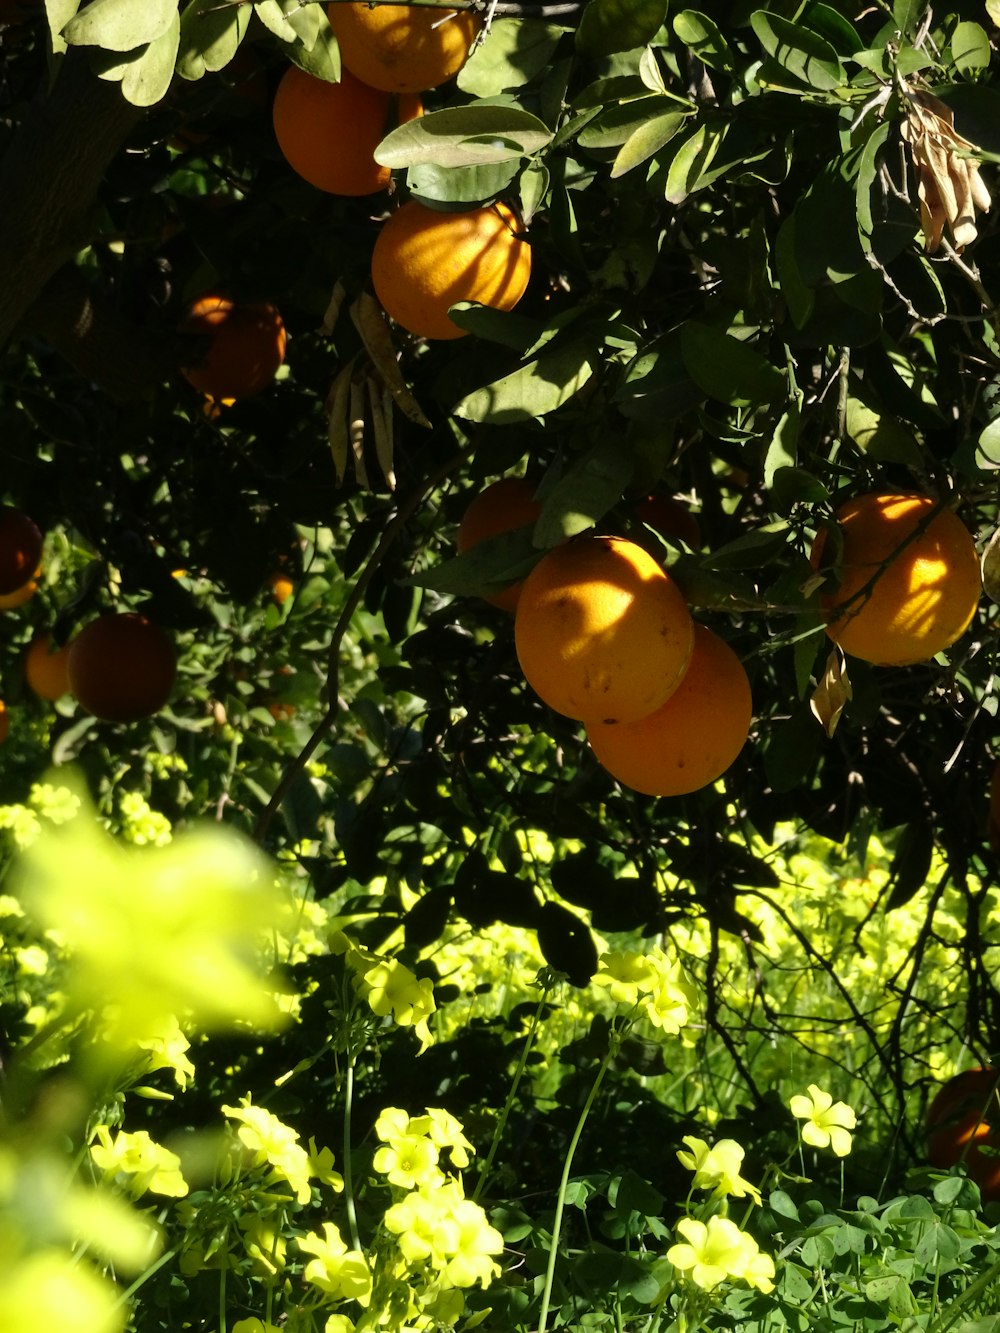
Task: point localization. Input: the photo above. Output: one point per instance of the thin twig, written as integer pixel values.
(392, 530)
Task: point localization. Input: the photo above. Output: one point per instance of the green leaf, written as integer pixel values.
(907, 14)
(883, 437)
(833, 26)
(516, 51)
(146, 80)
(488, 566)
(700, 34)
(460, 185)
(465, 136)
(619, 25)
(727, 369)
(322, 58)
(868, 176)
(533, 390)
(210, 37)
(693, 159)
(752, 550)
(988, 451)
(646, 141)
(798, 50)
(799, 298)
(292, 21)
(584, 494)
(783, 449)
(970, 48)
(121, 25)
(611, 127)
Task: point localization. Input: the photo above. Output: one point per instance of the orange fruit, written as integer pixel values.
(690, 740)
(122, 667)
(601, 631)
(909, 579)
(281, 587)
(328, 132)
(20, 549)
(45, 668)
(670, 519)
(4, 722)
(962, 1122)
(12, 600)
(247, 346)
(403, 48)
(504, 506)
(425, 261)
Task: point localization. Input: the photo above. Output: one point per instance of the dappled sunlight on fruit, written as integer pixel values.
(403, 48)
(602, 631)
(909, 579)
(691, 739)
(426, 261)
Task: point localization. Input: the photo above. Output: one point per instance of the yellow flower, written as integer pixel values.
(445, 1131)
(717, 1168)
(271, 1142)
(167, 1051)
(392, 988)
(755, 1268)
(336, 1270)
(714, 1251)
(827, 1121)
(408, 1161)
(625, 973)
(186, 944)
(151, 1168)
(53, 1290)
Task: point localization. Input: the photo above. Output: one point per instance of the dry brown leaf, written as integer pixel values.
(949, 187)
(833, 692)
(370, 322)
(337, 402)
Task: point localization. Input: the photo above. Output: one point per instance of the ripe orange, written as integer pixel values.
(670, 519)
(46, 669)
(12, 600)
(690, 740)
(247, 347)
(4, 722)
(961, 1123)
(328, 132)
(602, 631)
(281, 587)
(122, 667)
(424, 262)
(403, 48)
(503, 507)
(905, 593)
(20, 549)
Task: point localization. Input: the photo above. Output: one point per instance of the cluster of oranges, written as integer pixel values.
(424, 260)
(604, 636)
(119, 667)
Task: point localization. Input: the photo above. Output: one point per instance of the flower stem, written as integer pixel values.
(529, 1042)
(352, 1216)
(613, 1045)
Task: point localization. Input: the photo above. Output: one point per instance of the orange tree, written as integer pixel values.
(763, 281)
